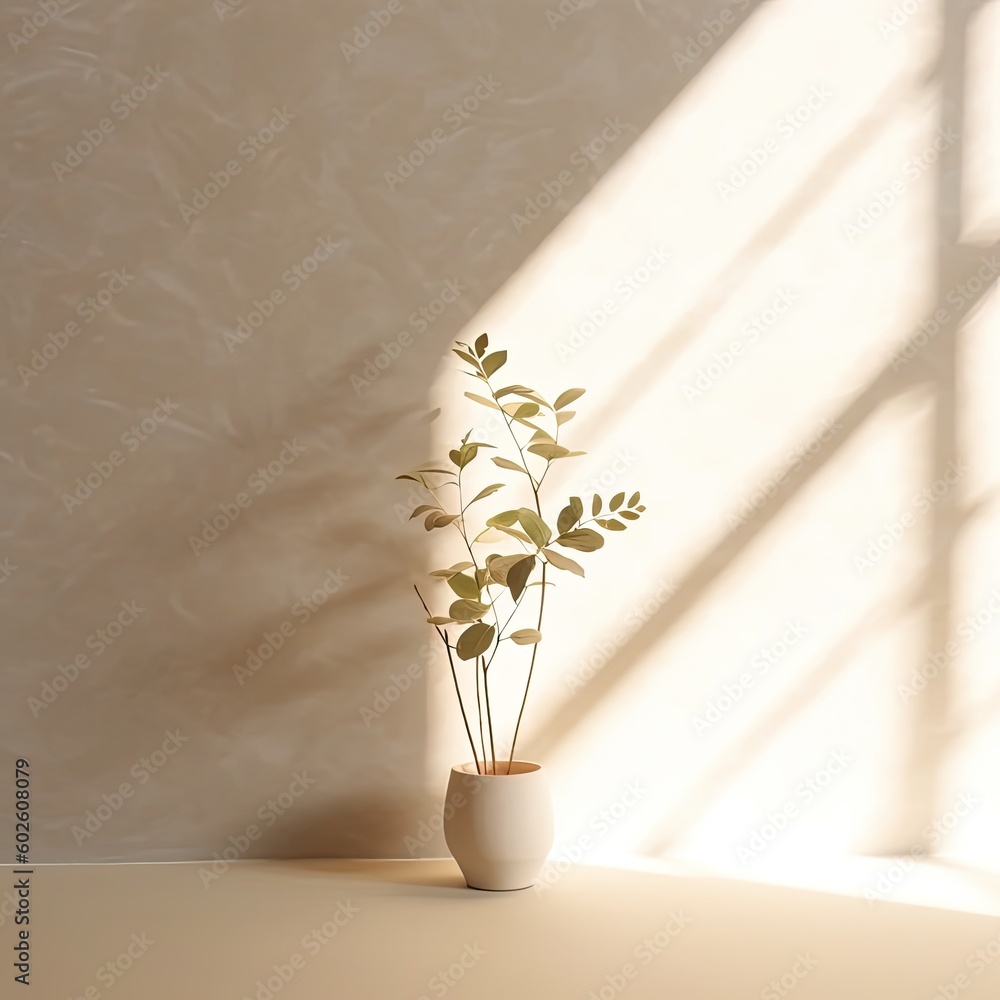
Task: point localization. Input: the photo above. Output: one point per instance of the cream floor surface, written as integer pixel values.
(402, 930)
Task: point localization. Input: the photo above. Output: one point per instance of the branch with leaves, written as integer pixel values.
(481, 585)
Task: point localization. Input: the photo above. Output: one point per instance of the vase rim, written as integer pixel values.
(526, 767)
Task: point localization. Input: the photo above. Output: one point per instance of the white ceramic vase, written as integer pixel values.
(499, 827)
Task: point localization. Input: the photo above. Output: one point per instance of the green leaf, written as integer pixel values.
(538, 531)
(482, 342)
(500, 566)
(542, 435)
(411, 478)
(492, 362)
(583, 540)
(567, 518)
(517, 575)
(550, 452)
(565, 416)
(474, 641)
(526, 636)
(629, 515)
(482, 578)
(634, 499)
(467, 357)
(483, 400)
(563, 562)
(509, 389)
(452, 570)
(611, 524)
(617, 500)
(596, 508)
(568, 396)
(514, 533)
(577, 504)
(464, 586)
(506, 517)
(519, 411)
(446, 472)
(535, 397)
(456, 456)
(422, 509)
(487, 491)
(505, 463)
(441, 621)
(467, 610)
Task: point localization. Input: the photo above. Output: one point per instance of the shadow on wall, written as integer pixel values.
(239, 242)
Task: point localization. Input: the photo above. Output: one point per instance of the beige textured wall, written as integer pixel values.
(204, 264)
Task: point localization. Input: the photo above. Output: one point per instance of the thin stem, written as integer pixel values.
(479, 709)
(489, 718)
(451, 662)
(460, 524)
(520, 451)
(548, 464)
(531, 669)
(500, 631)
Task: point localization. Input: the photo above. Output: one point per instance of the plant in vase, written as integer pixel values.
(500, 827)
